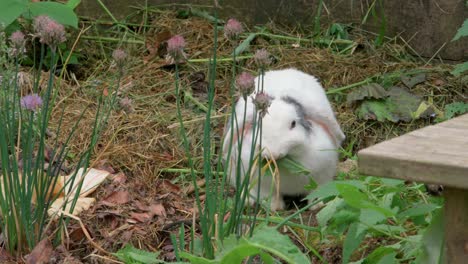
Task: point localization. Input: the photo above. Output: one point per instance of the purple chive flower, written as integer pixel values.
(262, 101)
(233, 29)
(245, 83)
(18, 40)
(49, 31)
(175, 48)
(262, 58)
(119, 56)
(31, 102)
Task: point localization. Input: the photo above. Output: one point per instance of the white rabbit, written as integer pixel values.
(299, 123)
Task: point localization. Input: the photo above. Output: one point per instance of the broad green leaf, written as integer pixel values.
(432, 241)
(380, 254)
(411, 81)
(197, 260)
(392, 182)
(460, 68)
(328, 211)
(270, 240)
(399, 106)
(420, 209)
(132, 255)
(457, 108)
(10, 10)
(59, 12)
(359, 200)
(462, 31)
(352, 241)
(389, 229)
(371, 217)
(368, 91)
(245, 44)
(329, 189)
(73, 3)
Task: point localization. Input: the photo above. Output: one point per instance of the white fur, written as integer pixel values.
(316, 149)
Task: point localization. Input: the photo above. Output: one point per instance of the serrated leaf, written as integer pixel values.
(369, 91)
(432, 241)
(380, 254)
(359, 200)
(59, 12)
(454, 109)
(399, 106)
(10, 10)
(352, 241)
(132, 255)
(459, 69)
(462, 31)
(328, 211)
(417, 210)
(411, 81)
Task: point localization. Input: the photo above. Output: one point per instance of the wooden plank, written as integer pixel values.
(456, 226)
(436, 154)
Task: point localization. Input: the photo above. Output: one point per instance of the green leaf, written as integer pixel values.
(401, 105)
(290, 165)
(454, 109)
(411, 81)
(328, 211)
(73, 3)
(352, 241)
(379, 256)
(462, 31)
(369, 91)
(270, 240)
(432, 241)
(460, 68)
(359, 200)
(371, 217)
(10, 10)
(132, 255)
(420, 209)
(245, 44)
(197, 260)
(59, 12)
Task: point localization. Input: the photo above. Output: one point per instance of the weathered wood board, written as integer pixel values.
(436, 154)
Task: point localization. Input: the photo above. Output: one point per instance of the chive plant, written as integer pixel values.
(29, 180)
(221, 216)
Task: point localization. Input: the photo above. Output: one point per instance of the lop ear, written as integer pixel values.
(331, 127)
(231, 128)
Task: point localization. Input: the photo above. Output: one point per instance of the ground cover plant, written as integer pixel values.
(167, 200)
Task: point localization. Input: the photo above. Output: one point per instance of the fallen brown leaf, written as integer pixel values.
(116, 198)
(119, 178)
(141, 217)
(41, 253)
(157, 209)
(169, 186)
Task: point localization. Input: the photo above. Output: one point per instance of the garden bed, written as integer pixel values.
(150, 193)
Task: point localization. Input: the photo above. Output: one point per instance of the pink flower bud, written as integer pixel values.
(245, 83)
(262, 101)
(233, 29)
(175, 48)
(49, 31)
(262, 58)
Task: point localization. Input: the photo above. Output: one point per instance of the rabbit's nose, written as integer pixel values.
(269, 154)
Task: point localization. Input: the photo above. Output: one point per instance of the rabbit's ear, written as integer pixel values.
(330, 125)
(236, 133)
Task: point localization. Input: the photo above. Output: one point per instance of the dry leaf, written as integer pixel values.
(91, 181)
(117, 198)
(169, 186)
(82, 204)
(157, 209)
(141, 217)
(41, 253)
(119, 178)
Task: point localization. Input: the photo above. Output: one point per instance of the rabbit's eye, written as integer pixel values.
(293, 124)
